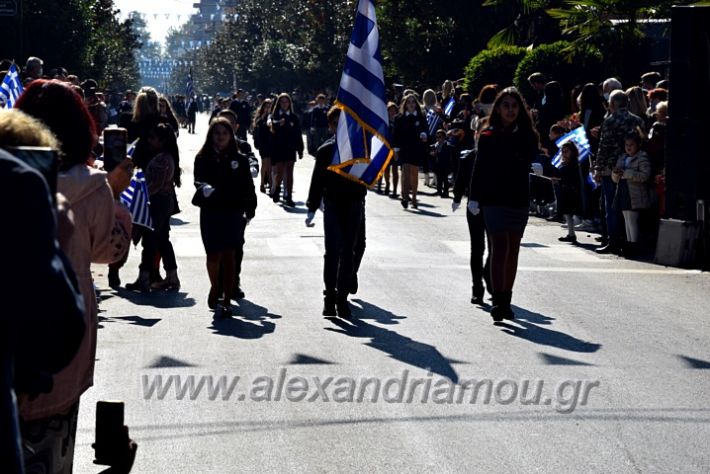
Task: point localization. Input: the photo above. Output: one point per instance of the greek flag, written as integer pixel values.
(449, 107)
(11, 87)
(189, 88)
(579, 137)
(363, 148)
(434, 121)
(137, 199)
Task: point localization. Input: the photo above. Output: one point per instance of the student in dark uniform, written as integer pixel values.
(262, 142)
(227, 201)
(241, 107)
(500, 189)
(343, 204)
(319, 122)
(287, 142)
(410, 137)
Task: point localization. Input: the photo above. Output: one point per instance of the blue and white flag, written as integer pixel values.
(579, 137)
(434, 121)
(449, 107)
(189, 87)
(11, 88)
(363, 148)
(137, 199)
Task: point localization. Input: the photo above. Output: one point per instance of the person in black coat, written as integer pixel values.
(34, 343)
(192, 110)
(343, 203)
(287, 142)
(569, 177)
(500, 189)
(227, 201)
(262, 142)
(241, 107)
(410, 141)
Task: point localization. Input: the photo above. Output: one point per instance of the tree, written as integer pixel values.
(493, 66)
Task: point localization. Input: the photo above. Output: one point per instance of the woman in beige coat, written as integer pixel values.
(101, 234)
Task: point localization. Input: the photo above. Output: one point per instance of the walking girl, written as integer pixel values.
(500, 190)
(410, 137)
(287, 141)
(262, 142)
(227, 201)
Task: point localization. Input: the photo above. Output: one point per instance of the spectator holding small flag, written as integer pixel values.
(569, 201)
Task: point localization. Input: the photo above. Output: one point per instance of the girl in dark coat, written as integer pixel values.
(500, 189)
(287, 142)
(226, 195)
(410, 140)
(569, 203)
(262, 142)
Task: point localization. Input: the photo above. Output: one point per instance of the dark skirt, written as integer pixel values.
(500, 219)
(221, 229)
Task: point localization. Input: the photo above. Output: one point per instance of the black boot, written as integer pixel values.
(497, 310)
(507, 311)
(114, 280)
(354, 285)
(343, 307)
(477, 294)
(329, 298)
(237, 293)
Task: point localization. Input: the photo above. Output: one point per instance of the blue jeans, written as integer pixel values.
(610, 212)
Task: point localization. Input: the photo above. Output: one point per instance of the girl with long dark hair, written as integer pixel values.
(287, 141)
(410, 137)
(500, 190)
(262, 142)
(227, 199)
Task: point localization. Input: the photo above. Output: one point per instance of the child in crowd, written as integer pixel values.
(442, 152)
(632, 173)
(556, 132)
(569, 201)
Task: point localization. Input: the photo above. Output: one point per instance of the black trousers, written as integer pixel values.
(238, 255)
(477, 231)
(344, 223)
(161, 208)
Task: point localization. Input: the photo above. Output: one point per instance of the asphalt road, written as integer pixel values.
(630, 337)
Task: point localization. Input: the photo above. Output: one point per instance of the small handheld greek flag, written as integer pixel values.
(11, 87)
(363, 148)
(449, 107)
(434, 121)
(137, 199)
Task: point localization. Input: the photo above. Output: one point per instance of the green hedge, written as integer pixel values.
(557, 64)
(492, 66)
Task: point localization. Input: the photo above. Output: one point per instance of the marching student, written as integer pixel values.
(343, 203)
(262, 142)
(393, 167)
(500, 190)
(227, 201)
(410, 137)
(287, 142)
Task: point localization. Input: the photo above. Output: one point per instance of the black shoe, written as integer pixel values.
(224, 312)
(394, 195)
(477, 297)
(415, 204)
(501, 306)
(607, 249)
(212, 299)
(155, 276)
(276, 198)
(405, 204)
(343, 309)
(114, 280)
(568, 238)
(354, 285)
(387, 190)
(237, 293)
(329, 299)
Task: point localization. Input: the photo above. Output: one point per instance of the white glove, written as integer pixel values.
(473, 208)
(207, 190)
(309, 219)
(455, 206)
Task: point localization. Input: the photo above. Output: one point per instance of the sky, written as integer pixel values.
(169, 13)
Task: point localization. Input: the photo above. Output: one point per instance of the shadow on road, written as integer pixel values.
(365, 310)
(528, 326)
(242, 329)
(158, 299)
(252, 311)
(399, 347)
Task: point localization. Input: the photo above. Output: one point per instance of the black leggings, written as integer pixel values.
(161, 208)
(477, 232)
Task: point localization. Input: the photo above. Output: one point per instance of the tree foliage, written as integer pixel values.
(554, 61)
(493, 66)
(84, 36)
